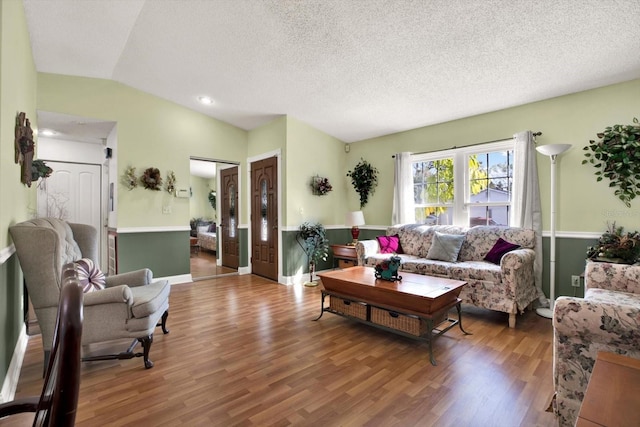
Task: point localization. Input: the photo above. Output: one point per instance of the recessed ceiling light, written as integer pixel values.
(47, 132)
(205, 100)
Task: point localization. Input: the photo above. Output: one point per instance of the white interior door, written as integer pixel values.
(72, 193)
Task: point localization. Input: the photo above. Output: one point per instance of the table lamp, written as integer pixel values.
(353, 220)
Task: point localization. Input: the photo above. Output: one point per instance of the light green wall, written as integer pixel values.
(199, 200)
(269, 137)
(305, 152)
(17, 93)
(582, 205)
(151, 132)
(312, 152)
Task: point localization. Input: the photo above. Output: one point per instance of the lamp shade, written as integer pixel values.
(553, 149)
(354, 219)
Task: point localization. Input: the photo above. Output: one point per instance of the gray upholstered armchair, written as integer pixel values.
(130, 305)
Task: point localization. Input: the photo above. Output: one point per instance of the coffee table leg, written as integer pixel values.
(459, 308)
(321, 307)
(431, 338)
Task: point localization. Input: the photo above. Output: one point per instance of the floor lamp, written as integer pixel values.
(552, 150)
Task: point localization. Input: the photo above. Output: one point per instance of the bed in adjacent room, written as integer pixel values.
(207, 237)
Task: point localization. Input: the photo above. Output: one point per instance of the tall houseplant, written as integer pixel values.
(312, 238)
(364, 178)
(617, 157)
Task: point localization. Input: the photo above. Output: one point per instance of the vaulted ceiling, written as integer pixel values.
(353, 69)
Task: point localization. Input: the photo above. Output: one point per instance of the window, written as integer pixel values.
(464, 186)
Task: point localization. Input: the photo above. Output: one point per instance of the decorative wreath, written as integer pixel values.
(320, 186)
(151, 179)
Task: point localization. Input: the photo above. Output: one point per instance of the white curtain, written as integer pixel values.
(525, 207)
(403, 190)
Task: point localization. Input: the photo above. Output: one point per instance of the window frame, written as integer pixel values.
(461, 200)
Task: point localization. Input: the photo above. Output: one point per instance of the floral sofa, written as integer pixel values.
(606, 319)
(508, 287)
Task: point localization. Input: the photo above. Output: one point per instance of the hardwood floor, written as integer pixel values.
(203, 265)
(244, 351)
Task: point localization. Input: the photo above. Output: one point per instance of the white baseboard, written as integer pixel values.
(244, 270)
(299, 279)
(174, 280)
(10, 384)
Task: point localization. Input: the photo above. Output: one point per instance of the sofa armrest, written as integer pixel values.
(366, 248)
(133, 278)
(117, 294)
(614, 277)
(517, 273)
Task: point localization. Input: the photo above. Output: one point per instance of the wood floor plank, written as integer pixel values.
(245, 351)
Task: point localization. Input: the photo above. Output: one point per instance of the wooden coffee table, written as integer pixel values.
(415, 306)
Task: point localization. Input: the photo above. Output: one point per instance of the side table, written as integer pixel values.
(345, 255)
(613, 394)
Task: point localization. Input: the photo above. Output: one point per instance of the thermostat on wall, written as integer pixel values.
(182, 193)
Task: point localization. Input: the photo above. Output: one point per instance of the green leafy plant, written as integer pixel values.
(617, 157)
(364, 178)
(212, 198)
(312, 238)
(39, 169)
(616, 246)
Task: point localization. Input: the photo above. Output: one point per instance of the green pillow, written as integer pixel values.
(445, 247)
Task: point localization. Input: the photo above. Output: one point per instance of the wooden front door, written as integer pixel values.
(264, 218)
(229, 218)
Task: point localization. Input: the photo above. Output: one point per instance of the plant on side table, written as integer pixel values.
(312, 238)
(616, 246)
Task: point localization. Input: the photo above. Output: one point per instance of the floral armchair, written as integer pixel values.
(606, 319)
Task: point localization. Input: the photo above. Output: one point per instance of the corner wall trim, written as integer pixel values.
(573, 234)
(10, 384)
(6, 253)
(126, 230)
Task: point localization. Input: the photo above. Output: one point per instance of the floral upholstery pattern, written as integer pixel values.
(508, 287)
(606, 319)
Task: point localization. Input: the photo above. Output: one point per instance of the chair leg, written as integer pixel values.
(164, 322)
(47, 356)
(146, 346)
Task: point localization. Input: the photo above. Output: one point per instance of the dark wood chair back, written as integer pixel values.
(58, 402)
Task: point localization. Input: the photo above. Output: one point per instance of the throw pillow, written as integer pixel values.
(445, 247)
(389, 244)
(499, 249)
(91, 278)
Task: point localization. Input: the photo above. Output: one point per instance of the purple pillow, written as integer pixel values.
(212, 228)
(499, 249)
(389, 244)
(89, 275)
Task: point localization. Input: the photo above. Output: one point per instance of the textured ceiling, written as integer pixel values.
(353, 69)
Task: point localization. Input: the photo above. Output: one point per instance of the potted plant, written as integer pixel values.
(39, 169)
(312, 238)
(616, 157)
(364, 178)
(616, 246)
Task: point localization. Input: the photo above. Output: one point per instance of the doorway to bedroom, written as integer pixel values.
(205, 212)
